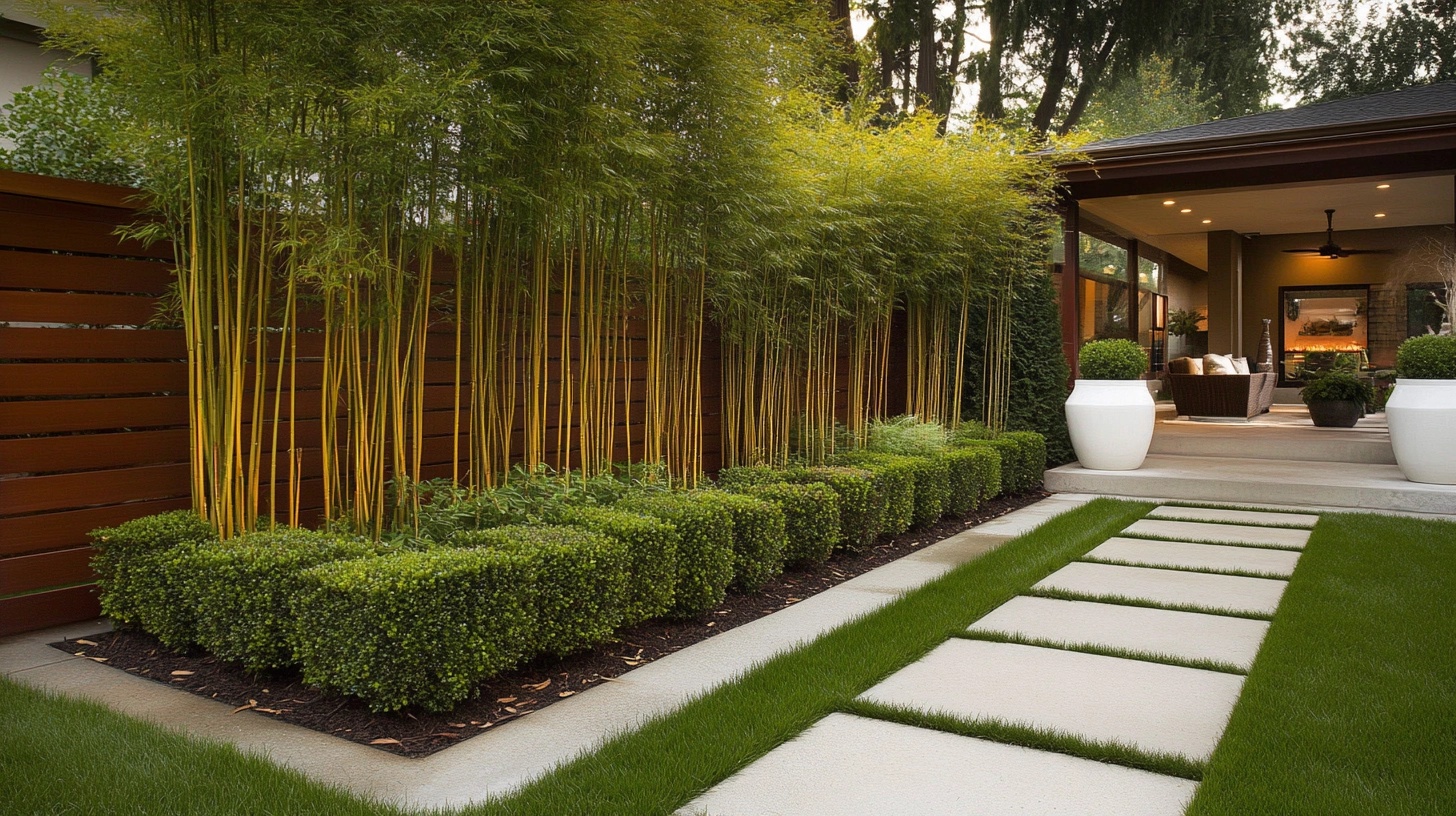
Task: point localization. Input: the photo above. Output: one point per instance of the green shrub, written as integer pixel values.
(759, 536)
(415, 628)
(136, 568)
(1337, 385)
(704, 551)
(975, 475)
(861, 504)
(1429, 357)
(1031, 458)
(741, 478)
(581, 581)
(811, 518)
(906, 435)
(652, 546)
(932, 489)
(242, 590)
(894, 482)
(1112, 360)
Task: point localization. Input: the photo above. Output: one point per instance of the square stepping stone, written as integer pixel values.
(1229, 515)
(1151, 706)
(852, 766)
(1233, 593)
(1224, 533)
(1188, 635)
(1183, 555)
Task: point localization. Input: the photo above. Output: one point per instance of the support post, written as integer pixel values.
(1069, 289)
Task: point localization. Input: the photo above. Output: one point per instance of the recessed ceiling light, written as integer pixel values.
(1170, 202)
(1185, 210)
(1208, 220)
(1382, 186)
(1380, 215)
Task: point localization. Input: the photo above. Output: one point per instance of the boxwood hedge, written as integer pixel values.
(652, 547)
(705, 547)
(759, 536)
(895, 478)
(861, 503)
(811, 518)
(975, 475)
(137, 570)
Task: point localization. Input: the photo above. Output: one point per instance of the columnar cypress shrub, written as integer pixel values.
(811, 518)
(580, 581)
(894, 481)
(136, 571)
(759, 537)
(975, 475)
(415, 628)
(861, 504)
(652, 553)
(242, 590)
(705, 548)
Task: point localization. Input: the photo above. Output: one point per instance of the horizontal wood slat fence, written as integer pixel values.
(93, 400)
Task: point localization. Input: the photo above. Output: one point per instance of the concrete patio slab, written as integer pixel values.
(511, 755)
(1183, 555)
(1186, 635)
(1152, 706)
(1230, 516)
(1219, 592)
(850, 766)
(1225, 533)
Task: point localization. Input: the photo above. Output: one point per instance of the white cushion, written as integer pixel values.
(1241, 365)
(1218, 364)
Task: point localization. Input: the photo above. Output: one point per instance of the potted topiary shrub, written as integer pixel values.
(1336, 399)
(1110, 413)
(1422, 409)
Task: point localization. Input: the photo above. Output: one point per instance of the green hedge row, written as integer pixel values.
(705, 554)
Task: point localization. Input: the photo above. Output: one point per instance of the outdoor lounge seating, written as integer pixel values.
(1224, 396)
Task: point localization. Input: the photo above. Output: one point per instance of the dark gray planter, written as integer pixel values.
(1336, 413)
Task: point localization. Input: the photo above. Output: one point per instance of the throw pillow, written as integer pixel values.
(1241, 365)
(1218, 364)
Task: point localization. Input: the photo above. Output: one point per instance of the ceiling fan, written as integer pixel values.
(1332, 250)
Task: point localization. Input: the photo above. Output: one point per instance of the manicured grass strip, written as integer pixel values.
(1118, 562)
(1061, 742)
(61, 755)
(1108, 651)
(1125, 600)
(1251, 545)
(667, 762)
(1350, 706)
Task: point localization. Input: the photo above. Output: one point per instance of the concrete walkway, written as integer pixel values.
(1134, 694)
(518, 752)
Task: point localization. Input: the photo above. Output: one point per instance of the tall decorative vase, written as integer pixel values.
(1266, 349)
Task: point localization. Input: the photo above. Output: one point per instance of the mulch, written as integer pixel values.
(413, 733)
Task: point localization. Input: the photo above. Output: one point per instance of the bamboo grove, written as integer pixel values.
(425, 240)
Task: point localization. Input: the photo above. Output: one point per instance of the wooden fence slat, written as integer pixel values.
(81, 379)
(91, 344)
(66, 307)
(40, 610)
(83, 273)
(28, 573)
(49, 531)
(33, 230)
(32, 494)
(59, 189)
(63, 415)
(41, 454)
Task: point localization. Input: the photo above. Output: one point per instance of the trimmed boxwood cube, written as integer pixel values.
(811, 518)
(415, 628)
(242, 590)
(895, 481)
(651, 545)
(975, 475)
(705, 548)
(1033, 456)
(861, 505)
(746, 476)
(932, 488)
(759, 536)
(581, 581)
(136, 568)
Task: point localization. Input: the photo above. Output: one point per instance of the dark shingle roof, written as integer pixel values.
(1391, 106)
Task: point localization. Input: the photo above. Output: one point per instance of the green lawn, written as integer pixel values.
(1350, 708)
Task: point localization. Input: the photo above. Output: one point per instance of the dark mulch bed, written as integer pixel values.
(413, 733)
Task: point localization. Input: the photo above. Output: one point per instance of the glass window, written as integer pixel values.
(1423, 312)
(1150, 275)
(1099, 260)
(1104, 310)
(1324, 328)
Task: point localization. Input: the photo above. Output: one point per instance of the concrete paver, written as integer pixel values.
(1186, 635)
(1152, 706)
(1225, 533)
(1232, 516)
(1173, 587)
(1183, 555)
(850, 766)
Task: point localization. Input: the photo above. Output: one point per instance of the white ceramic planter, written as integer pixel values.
(1111, 423)
(1422, 418)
